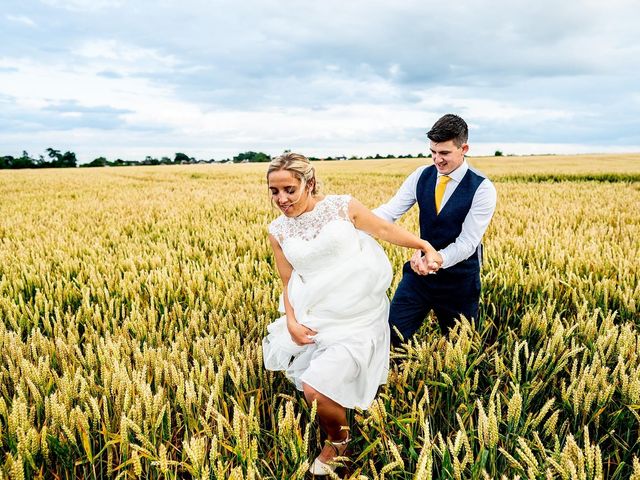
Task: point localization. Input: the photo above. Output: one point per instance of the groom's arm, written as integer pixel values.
(473, 227)
(402, 201)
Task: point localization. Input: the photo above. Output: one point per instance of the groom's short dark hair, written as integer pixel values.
(449, 127)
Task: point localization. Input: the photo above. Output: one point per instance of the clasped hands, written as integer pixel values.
(426, 264)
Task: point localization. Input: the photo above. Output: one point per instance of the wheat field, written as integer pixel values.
(133, 303)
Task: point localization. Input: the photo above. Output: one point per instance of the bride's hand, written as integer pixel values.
(429, 263)
(300, 334)
(416, 262)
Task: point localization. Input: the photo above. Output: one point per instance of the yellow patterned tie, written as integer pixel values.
(442, 184)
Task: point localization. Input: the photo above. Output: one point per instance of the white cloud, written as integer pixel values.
(124, 57)
(63, 82)
(395, 70)
(21, 19)
(325, 77)
(84, 5)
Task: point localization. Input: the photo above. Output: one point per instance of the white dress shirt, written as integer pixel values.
(475, 223)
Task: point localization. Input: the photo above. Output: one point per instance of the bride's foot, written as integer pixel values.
(331, 451)
(324, 463)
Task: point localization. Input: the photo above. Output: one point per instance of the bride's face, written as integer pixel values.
(288, 193)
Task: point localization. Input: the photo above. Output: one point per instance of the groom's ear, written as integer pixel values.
(465, 148)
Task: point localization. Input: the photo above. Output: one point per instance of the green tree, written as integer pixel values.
(98, 162)
(54, 154)
(149, 160)
(498, 153)
(181, 157)
(25, 161)
(55, 157)
(68, 160)
(6, 162)
(61, 160)
(251, 157)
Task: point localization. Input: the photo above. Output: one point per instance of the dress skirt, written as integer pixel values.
(347, 304)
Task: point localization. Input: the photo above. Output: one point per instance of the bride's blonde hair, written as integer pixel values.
(299, 166)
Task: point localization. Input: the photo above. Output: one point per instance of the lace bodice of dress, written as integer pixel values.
(308, 225)
(320, 239)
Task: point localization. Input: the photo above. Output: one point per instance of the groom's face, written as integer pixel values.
(447, 156)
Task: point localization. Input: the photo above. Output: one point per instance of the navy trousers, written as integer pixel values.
(449, 296)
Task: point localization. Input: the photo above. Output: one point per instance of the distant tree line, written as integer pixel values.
(178, 159)
(57, 159)
(377, 156)
(251, 157)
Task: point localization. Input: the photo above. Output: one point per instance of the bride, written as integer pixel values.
(333, 340)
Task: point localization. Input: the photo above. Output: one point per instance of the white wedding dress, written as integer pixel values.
(337, 288)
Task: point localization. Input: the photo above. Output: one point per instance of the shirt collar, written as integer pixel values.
(459, 172)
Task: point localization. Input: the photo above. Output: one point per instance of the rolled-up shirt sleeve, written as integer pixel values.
(402, 201)
(475, 224)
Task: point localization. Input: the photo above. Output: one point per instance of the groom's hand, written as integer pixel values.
(432, 261)
(424, 265)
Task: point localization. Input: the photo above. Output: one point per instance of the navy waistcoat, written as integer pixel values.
(443, 229)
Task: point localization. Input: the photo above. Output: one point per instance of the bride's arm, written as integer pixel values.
(299, 333)
(363, 219)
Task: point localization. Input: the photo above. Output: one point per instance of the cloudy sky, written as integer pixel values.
(213, 78)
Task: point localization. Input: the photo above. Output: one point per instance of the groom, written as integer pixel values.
(456, 205)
